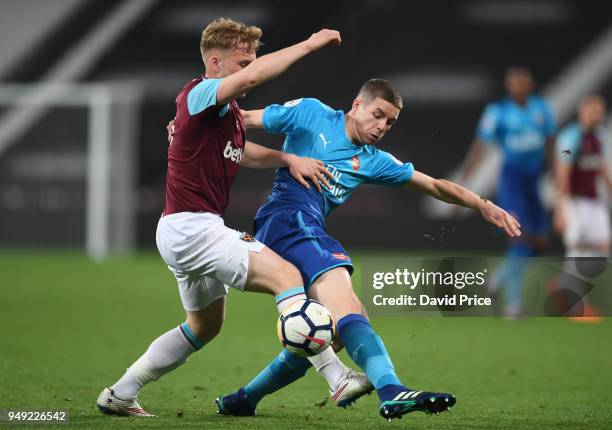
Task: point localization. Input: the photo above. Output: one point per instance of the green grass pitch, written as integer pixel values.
(69, 327)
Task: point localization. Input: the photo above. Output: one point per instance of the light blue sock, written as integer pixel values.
(501, 275)
(282, 371)
(366, 349)
(287, 297)
(517, 259)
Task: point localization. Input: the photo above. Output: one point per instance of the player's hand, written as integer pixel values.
(322, 38)
(304, 169)
(170, 128)
(499, 217)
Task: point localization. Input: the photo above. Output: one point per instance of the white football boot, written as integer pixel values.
(110, 404)
(352, 386)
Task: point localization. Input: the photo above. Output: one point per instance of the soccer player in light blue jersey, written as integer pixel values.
(523, 127)
(292, 223)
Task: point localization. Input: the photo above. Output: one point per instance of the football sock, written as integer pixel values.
(166, 353)
(282, 371)
(501, 275)
(517, 259)
(287, 297)
(366, 348)
(329, 366)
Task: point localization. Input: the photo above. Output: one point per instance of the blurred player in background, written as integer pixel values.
(292, 223)
(523, 126)
(581, 216)
(207, 147)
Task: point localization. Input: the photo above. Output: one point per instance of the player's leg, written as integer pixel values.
(507, 196)
(345, 385)
(269, 273)
(573, 228)
(204, 303)
(591, 224)
(334, 289)
(285, 232)
(287, 368)
(535, 222)
(204, 255)
(520, 197)
(303, 241)
(209, 248)
(516, 261)
(597, 236)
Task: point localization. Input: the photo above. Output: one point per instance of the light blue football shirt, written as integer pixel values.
(315, 130)
(520, 131)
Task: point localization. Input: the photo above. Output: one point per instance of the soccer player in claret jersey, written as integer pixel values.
(581, 215)
(206, 149)
(292, 223)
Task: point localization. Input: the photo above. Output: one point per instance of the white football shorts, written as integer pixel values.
(588, 222)
(205, 256)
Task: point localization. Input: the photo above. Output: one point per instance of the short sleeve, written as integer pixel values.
(388, 170)
(567, 144)
(202, 96)
(293, 117)
(488, 125)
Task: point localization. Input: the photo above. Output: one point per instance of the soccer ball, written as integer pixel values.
(305, 328)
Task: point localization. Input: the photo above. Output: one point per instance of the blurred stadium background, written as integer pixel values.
(86, 90)
(87, 87)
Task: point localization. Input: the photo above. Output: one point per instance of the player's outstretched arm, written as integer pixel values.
(271, 65)
(303, 169)
(450, 192)
(253, 118)
(562, 176)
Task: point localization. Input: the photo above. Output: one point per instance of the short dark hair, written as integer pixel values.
(380, 88)
(519, 70)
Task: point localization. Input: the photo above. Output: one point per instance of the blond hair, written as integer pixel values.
(224, 33)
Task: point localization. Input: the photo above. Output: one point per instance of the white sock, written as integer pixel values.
(286, 298)
(166, 353)
(329, 366)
